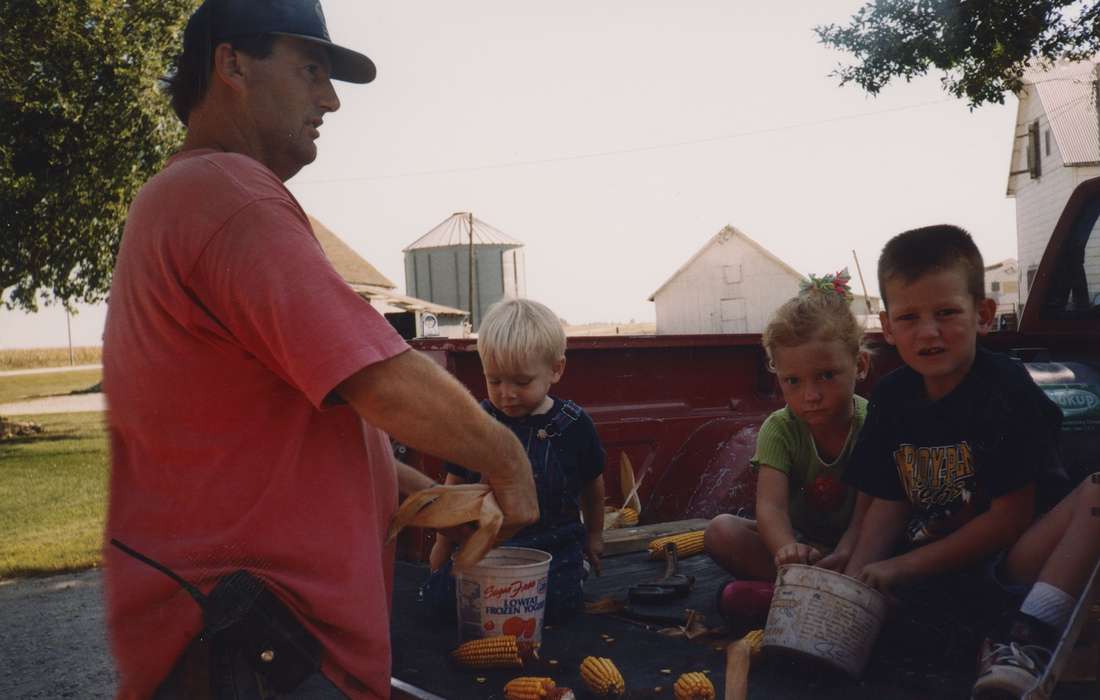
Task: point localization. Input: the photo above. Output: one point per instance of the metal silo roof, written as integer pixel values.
(455, 230)
(1066, 91)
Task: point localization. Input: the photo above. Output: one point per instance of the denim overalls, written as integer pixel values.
(558, 531)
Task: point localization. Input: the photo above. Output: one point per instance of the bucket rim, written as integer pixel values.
(540, 558)
(817, 569)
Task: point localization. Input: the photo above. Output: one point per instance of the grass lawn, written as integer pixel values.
(32, 386)
(53, 495)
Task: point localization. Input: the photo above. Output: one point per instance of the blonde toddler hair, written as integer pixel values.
(516, 331)
(818, 313)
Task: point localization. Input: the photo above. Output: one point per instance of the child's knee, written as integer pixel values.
(724, 532)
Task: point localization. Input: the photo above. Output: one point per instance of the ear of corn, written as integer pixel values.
(693, 686)
(528, 688)
(687, 544)
(628, 517)
(602, 677)
(493, 652)
(755, 641)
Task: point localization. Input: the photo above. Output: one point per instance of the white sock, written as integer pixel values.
(1049, 604)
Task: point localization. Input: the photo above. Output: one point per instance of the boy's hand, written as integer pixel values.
(796, 553)
(836, 561)
(593, 551)
(883, 575)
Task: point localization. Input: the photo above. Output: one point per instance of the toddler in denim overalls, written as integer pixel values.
(522, 349)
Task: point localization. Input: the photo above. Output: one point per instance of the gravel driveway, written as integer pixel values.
(52, 638)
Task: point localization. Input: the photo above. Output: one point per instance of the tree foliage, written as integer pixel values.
(82, 126)
(982, 47)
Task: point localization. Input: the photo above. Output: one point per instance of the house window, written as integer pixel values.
(1046, 141)
(996, 286)
(1033, 154)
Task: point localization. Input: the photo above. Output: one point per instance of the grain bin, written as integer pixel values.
(438, 265)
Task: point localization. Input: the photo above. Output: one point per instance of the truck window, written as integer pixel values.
(1074, 291)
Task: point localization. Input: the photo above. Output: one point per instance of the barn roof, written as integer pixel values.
(722, 236)
(455, 230)
(405, 303)
(1066, 93)
(349, 264)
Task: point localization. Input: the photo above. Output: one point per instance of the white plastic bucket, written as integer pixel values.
(504, 594)
(824, 615)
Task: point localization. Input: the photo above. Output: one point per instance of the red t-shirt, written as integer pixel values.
(227, 328)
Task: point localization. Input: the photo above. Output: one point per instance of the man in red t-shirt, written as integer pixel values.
(251, 389)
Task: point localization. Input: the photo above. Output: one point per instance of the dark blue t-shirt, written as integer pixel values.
(996, 432)
(565, 453)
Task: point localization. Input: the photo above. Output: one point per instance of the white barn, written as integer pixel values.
(1054, 149)
(731, 285)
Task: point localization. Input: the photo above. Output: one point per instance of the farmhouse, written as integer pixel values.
(731, 285)
(1054, 149)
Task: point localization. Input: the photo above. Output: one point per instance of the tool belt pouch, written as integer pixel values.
(243, 617)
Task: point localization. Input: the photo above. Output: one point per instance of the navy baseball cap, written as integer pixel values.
(297, 18)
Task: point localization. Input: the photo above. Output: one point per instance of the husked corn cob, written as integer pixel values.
(687, 544)
(602, 677)
(528, 688)
(493, 652)
(755, 641)
(628, 517)
(693, 686)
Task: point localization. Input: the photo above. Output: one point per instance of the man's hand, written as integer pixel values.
(593, 551)
(883, 575)
(515, 494)
(796, 553)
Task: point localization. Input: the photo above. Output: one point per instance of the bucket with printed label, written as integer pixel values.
(504, 594)
(825, 616)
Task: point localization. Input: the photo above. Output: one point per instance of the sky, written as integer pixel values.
(615, 139)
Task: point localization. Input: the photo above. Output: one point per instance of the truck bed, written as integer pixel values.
(422, 668)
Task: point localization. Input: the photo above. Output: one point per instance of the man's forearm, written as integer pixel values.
(420, 404)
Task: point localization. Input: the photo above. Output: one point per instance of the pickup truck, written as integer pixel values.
(686, 409)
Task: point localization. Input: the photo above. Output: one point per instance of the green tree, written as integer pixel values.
(982, 47)
(82, 126)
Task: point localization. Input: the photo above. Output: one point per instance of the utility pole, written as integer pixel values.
(471, 275)
(866, 299)
(69, 329)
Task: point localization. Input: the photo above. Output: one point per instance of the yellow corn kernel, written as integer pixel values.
(528, 688)
(602, 677)
(687, 544)
(693, 686)
(493, 652)
(755, 640)
(628, 517)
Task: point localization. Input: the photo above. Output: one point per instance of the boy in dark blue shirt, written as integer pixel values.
(952, 448)
(522, 348)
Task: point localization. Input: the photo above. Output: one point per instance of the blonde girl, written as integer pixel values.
(804, 513)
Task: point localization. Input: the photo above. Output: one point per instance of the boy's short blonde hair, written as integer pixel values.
(516, 331)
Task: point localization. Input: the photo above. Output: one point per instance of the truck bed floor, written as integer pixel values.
(938, 663)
